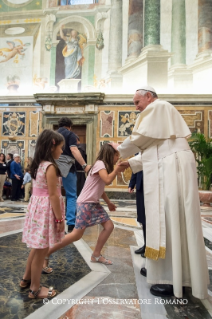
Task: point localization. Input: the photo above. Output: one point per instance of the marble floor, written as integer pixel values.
(92, 290)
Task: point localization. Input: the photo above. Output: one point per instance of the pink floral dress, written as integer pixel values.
(40, 227)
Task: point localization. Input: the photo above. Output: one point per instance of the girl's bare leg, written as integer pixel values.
(27, 273)
(75, 235)
(36, 268)
(103, 237)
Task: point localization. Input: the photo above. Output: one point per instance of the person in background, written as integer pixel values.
(70, 152)
(9, 161)
(3, 169)
(27, 184)
(16, 176)
(137, 180)
(80, 172)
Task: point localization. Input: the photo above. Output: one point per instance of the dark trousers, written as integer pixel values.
(16, 189)
(80, 181)
(141, 217)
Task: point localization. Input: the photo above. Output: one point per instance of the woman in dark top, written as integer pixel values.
(3, 169)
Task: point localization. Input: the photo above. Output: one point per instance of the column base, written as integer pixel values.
(69, 85)
(180, 79)
(115, 79)
(150, 68)
(202, 70)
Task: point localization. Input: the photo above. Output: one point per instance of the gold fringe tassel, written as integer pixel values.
(154, 253)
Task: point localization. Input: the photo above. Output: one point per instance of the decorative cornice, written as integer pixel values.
(65, 99)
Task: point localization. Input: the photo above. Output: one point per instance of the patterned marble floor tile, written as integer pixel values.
(68, 265)
(8, 226)
(105, 308)
(125, 221)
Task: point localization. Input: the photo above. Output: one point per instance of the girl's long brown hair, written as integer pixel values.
(43, 150)
(106, 155)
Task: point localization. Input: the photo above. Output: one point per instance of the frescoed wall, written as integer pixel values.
(20, 127)
(109, 46)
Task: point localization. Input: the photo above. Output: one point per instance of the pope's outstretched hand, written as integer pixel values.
(124, 164)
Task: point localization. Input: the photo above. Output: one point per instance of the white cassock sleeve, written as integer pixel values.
(136, 164)
(134, 144)
(127, 148)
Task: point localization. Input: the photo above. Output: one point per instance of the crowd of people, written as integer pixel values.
(14, 177)
(168, 208)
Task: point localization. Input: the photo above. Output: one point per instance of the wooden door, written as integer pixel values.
(80, 130)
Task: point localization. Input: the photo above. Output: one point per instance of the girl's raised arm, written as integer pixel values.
(108, 178)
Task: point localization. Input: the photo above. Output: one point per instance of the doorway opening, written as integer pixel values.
(79, 130)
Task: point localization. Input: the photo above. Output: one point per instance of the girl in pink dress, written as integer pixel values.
(44, 222)
(89, 210)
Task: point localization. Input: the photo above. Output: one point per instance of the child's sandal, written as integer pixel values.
(47, 270)
(35, 294)
(27, 283)
(105, 262)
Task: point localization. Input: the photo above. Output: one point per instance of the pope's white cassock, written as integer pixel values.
(175, 248)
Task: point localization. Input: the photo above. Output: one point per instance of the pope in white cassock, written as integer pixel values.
(175, 249)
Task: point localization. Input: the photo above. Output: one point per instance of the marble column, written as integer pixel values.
(151, 66)
(205, 26)
(202, 66)
(180, 78)
(115, 44)
(152, 22)
(178, 36)
(135, 28)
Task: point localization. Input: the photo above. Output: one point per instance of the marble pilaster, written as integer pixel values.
(178, 44)
(135, 28)
(205, 26)
(152, 22)
(202, 66)
(88, 68)
(53, 62)
(115, 44)
(180, 78)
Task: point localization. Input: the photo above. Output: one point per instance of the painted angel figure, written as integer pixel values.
(13, 50)
(73, 53)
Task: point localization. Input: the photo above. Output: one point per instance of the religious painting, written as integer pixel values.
(126, 122)
(69, 55)
(135, 28)
(107, 123)
(13, 123)
(16, 62)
